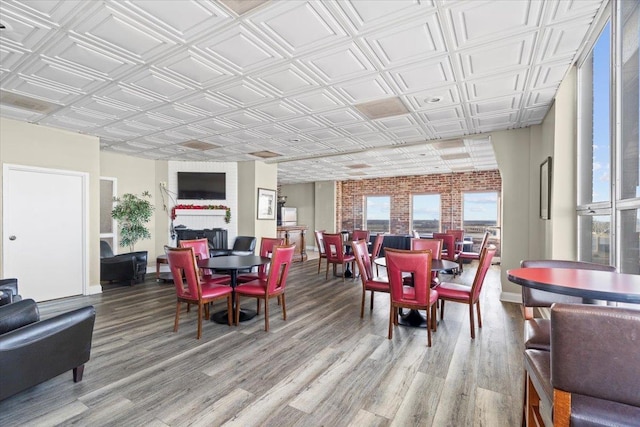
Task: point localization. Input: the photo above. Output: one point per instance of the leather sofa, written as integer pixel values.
(10, 287)
(129, 267)
(33, 351)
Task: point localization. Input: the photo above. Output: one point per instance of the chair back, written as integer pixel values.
(595, 351)
(266, 250)
(486, 255)
(360, 234)
(182, 262)
(363, 260)
(320, 241)
(280, 263)
(484, 241)
(416, 263)
(434, 245)
(244, 244)
(536, 298)
(333, 247)
(458, 234)
(448, 245)
(377, 245)
(200, 249)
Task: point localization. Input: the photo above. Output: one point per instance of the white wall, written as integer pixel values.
(251, 176)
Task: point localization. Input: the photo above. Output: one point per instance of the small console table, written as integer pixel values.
(294, 234)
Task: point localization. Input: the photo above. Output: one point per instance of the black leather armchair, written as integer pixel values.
(243, 245)
(34, 351)
(130, 267)
(10, 287)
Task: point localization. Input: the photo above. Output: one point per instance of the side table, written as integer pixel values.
(166, 277)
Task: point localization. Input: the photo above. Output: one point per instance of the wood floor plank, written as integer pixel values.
(323, 366)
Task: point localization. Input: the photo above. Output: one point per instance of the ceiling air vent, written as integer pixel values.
(199, 145)
(27, 103)
(382, 108)
(265, 154)
(359, 166)
(456, 156)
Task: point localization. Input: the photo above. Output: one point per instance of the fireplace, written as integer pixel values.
(217, 237)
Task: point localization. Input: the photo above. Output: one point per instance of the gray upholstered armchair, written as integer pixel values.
(10, 287)
(243, 245)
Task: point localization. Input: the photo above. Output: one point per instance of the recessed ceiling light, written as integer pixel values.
(433, 99)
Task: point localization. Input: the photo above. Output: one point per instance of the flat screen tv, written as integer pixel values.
(202, 185)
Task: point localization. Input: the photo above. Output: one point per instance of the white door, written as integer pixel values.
(44, 230)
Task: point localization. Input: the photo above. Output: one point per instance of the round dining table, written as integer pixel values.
(588, 284)
(414, 317)
(233, 263)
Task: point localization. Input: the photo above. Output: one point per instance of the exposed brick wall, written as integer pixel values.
(351, 196)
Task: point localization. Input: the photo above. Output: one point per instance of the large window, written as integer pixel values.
(480, 213)
(425, 213)
(609, 146)
(378, 214)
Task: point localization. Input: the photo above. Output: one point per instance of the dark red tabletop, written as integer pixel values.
(588, 284)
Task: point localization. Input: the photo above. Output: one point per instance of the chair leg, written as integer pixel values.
(177, 319)
(472, 322)
(229, 310)
(391, 321)
(326, 272)
(319, 264)
(362, 303)
(434, 316)
(441, 309)
(371, 307)
(258, 309)
(77, 373)
(266, 315)
(199, 334)
(428, 328)
(284, 308)
(479, 317)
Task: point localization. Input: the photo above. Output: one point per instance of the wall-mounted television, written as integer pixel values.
(202, 185)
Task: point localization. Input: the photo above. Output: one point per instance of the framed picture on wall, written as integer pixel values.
(545, 189)
(266, 204)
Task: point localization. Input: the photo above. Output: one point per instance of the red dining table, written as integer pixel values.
(587, 284)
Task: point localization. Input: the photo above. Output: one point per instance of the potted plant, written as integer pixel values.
(133, 213)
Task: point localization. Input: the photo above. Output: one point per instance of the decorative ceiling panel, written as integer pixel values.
(291, 77)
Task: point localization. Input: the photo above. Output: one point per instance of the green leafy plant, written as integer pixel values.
(133, 213)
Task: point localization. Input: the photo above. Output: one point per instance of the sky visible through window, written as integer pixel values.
(426, 207)
(378, 207)
(481, 207)
(601, 116)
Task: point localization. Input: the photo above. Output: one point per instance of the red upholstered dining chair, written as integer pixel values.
(189, 287)
(201, 250)
(334, 249)
(266, 249)
(458, 234)
(271, 286)
(462, 256)
(448, 247)
(420, 296)
(375, 249)
(320, 243)
(468, 294)
(433, 245)
(369, 283)
(360, 234)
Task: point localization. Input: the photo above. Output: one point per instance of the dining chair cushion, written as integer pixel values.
(454, 291)
(537, 334)
(537, 364)
(587, 411)
(210, 290)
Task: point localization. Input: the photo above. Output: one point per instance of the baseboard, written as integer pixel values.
(511, 297)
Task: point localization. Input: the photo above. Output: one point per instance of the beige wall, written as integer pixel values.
(251, 176)
(40, 146)
(325, 209)
(135, 175)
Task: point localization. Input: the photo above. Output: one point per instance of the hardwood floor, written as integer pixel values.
(323, 366)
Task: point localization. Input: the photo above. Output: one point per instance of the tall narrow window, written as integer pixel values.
(425, 213)
(480, 213)
(107, 224)
(378, 214)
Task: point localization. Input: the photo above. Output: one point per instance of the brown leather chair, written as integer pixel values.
(595, 365)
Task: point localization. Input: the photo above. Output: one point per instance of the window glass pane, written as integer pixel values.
(595, 238)
(630, 159)
(601, 117)
(630, 241)
(378, 214)
(425, 213)
(480, 211)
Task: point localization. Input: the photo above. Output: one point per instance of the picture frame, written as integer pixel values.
(266, 203)
(545, 189)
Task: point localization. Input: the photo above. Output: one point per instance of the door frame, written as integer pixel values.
(84, 177)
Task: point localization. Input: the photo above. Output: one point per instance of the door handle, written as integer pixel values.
(12, 237)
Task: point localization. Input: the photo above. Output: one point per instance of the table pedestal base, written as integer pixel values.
(221, 316)
(413, 318)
